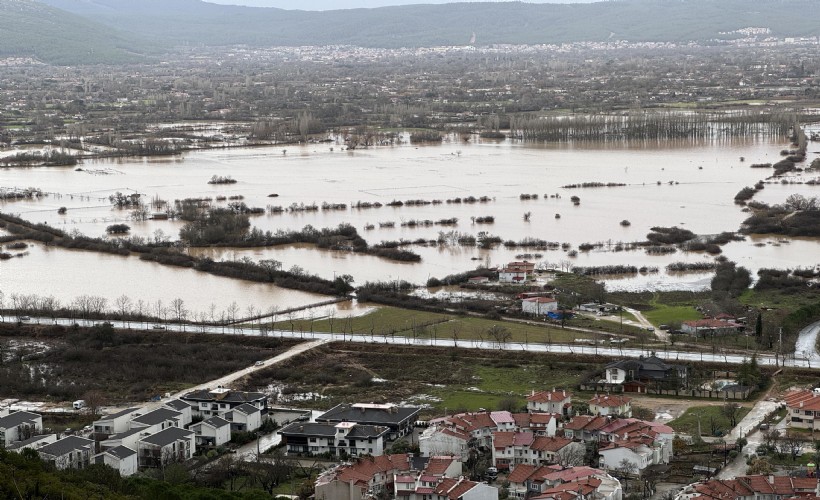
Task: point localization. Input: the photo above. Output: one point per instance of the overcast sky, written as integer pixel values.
(351, 4)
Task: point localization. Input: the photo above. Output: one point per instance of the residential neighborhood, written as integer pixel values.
(409, 250)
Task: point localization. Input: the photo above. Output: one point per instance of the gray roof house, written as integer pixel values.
(114, 423)
(649, 370)
(184, 408)
(19, 426)
(399, 419)
(337, 439)
(170, 445)
(215, 431)
(244, 418)
(33, 443)
(71, 452)
(120, 458)
(216, 402)
(157, 420)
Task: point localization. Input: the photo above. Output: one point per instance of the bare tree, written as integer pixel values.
(731, 410)
(98, 305)
(500, 335)
(94, 399)
(625, 470)
(571, 455)
(140, 309)
(49, 305)
(275, 469)
(123, 304)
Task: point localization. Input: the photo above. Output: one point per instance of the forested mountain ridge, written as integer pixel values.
(128, 24)
(33, 29)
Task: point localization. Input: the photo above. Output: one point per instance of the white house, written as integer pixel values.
(121, 459)
(184, 408)
(461, 489)
(349, 437)
(129, 439)
(549, 482)
(19, 426)
(504, 420)
(511, 449)
(439, 440)
(244, 418)
(33, 443)
(217, 402)
(114, 423)
(639, 454)
(215, 431)
(509, 275)
(610, 405)
(71, 452)
(654, 434)
(156, 420)
(170, 445)
(539, 306)
(553, 401)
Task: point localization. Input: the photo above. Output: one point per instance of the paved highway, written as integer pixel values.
(804, 357)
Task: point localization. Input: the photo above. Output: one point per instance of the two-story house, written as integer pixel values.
(614, 405)
(217, 402)
(399, 419)
(554, 401)
(19, 426)
(344, 438)
(71, 452)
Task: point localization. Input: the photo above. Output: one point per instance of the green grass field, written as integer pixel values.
(406, 322)
(688, 422)
(664, 315)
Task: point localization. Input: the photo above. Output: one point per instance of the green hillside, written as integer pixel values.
(114, 31)
(29, 28)
(194, 21)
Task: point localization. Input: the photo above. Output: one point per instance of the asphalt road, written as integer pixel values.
(799, 359)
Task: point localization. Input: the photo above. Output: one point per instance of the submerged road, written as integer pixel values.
(806, 345)
(798, 359)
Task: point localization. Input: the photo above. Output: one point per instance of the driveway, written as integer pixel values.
(747, 427)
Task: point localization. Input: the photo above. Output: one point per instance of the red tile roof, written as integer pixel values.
(541, 418)
(609, 400)
(521, 473)
(710, 323)
(548, 396)
(551, 444)
(437, 466)
(744, 486)
(804, 400)
(454, 488)
(365, 468)
(540, 300)
(587, 423)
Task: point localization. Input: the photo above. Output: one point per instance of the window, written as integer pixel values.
(312, 440)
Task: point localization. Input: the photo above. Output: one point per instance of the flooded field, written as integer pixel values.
(691, 185)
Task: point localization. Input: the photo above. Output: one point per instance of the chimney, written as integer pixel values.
(549, 397)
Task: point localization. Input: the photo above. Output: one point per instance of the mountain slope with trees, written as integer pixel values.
(118, 31)
(195, 21)
(32, 29)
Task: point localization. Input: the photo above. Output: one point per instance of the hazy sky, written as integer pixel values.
(352, 4)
